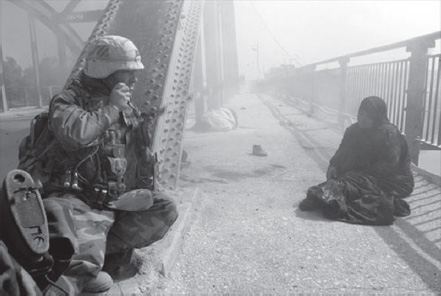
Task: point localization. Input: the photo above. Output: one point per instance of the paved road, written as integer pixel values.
(249, 237)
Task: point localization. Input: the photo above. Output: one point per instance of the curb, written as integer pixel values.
(175, 242)
(167, 250)
(432, 178)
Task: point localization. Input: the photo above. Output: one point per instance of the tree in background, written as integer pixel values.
(52, 79)
(21, 86)
(52, 76)
(14, 86)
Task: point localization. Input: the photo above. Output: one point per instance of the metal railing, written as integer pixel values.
(410, 87)
(431, 133)
(30, 96)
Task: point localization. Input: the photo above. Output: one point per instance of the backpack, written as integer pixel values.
(38, 153)
(33, 152)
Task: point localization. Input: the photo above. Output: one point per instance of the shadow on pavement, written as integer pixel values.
(416, 250)
(310, 215)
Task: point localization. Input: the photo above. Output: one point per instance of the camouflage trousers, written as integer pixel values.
(14, 279)
(97, 233)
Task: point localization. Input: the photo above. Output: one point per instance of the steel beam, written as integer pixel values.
(46, 14)
(70, 6)
(80, 17)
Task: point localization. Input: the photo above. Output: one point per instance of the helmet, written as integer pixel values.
(108, 54)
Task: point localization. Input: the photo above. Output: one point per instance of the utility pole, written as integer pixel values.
(256, 49)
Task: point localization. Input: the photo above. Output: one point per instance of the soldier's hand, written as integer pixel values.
(120, 96)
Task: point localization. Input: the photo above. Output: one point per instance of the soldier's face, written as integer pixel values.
(128, 77)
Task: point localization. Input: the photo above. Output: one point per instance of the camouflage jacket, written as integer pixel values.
(95, 142)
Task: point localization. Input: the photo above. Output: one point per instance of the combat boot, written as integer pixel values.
(102, 283)
(258, 151)
(122, 265)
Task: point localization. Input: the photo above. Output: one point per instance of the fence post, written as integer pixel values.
(2, 81)
(342, 91)
(416, 93)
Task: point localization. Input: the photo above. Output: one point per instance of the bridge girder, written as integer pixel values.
(48, 16)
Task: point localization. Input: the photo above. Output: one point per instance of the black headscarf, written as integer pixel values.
(376, 109)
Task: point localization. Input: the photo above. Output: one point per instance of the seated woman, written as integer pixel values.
(369, 175)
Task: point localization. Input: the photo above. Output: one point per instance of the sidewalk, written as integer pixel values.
(249, 237)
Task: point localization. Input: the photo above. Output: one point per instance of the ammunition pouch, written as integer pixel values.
(108, 185)
(98, 195)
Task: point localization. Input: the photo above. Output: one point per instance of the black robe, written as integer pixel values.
(373, 176)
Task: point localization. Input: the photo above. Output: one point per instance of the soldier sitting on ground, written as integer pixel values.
(97, 168)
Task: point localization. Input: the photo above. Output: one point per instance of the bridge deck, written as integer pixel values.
(244, 233)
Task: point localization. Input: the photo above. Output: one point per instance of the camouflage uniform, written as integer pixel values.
(14, 279)
(80, 121)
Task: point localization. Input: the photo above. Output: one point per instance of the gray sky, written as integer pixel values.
(287, 31)
(311, 31)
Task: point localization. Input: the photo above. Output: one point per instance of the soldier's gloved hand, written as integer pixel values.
(120, 96)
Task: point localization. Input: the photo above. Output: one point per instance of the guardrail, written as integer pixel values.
(29, 96)
(410, 87)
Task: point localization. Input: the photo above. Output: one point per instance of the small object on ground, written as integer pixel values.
(184, 156)
(258, 151)
(184, 162)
